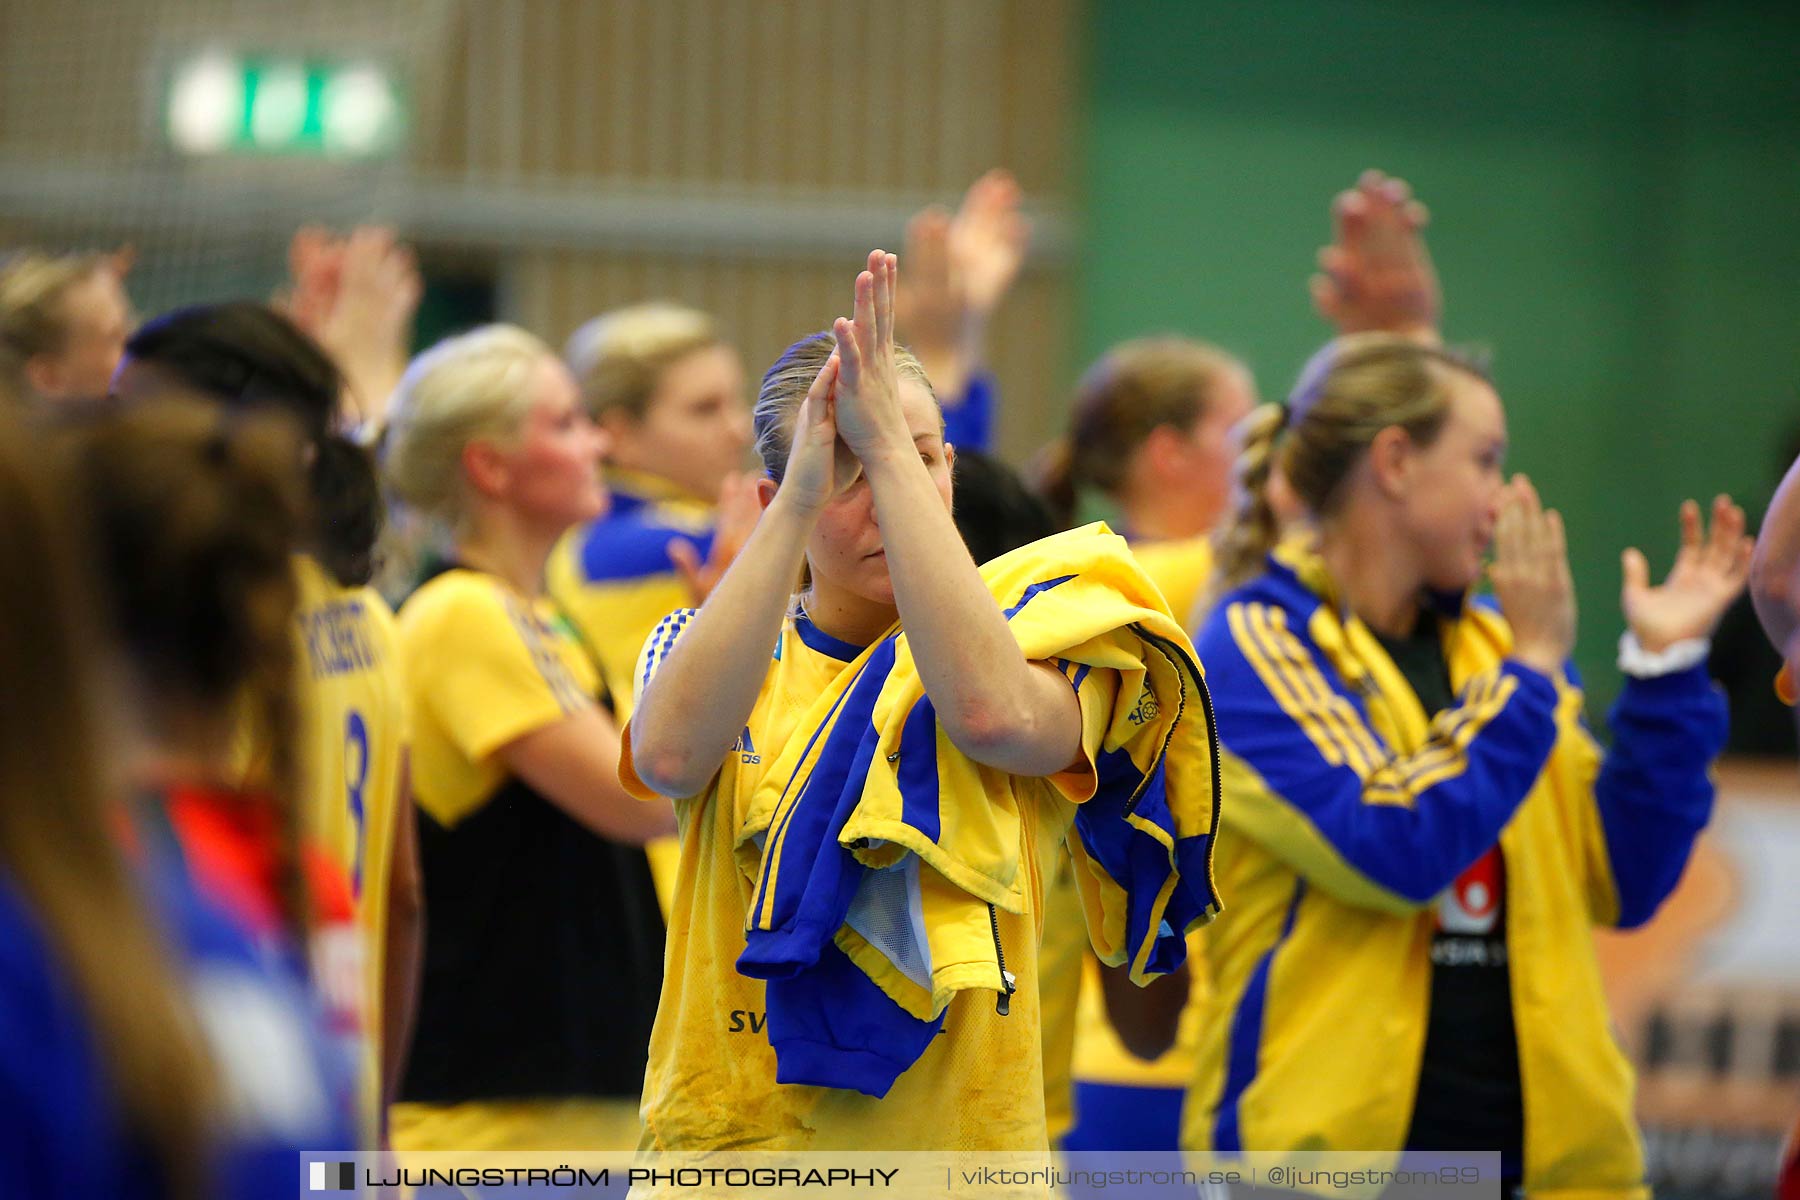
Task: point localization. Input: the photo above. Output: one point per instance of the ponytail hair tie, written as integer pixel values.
(1311, 381)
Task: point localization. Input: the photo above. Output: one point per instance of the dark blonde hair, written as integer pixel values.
(194, 517)
(619, 357)
(32, 322)
(471, 386)
(1134, 389)
(57, 843)
(246, 355)
(1352, 390)
(785, 384)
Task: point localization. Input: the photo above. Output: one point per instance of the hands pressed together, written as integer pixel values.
(1377, 275)
(851, 414)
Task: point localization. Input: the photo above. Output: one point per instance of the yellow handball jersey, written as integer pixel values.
(1180, 567)
(484, 666)
(711, 1078)
(353, 739)
(543, 956)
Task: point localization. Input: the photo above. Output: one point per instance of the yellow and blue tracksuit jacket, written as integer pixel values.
(1351, 811)
(881, 851)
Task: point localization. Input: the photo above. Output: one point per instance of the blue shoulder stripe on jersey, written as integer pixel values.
(633, 545)
(1246, 1038)
(662, 638)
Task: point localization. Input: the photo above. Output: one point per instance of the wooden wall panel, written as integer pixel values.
(808, 95)
(855, 109)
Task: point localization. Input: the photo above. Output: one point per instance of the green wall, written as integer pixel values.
(1615, 193)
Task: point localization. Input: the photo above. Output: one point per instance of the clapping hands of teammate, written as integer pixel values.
(357, 297)
(958, 270)
(868, 385)
(1530, 574)
(739, 508)
(1710, 570)
(1377, 275)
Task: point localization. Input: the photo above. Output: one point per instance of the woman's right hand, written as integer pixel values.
(1531, 577)
(819, 463)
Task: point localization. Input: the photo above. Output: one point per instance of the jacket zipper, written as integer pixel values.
(1004, 1004)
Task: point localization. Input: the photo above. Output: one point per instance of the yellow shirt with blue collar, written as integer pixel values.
(1352, 812)
(710, 1080)
(976, 1082)
(543, 955)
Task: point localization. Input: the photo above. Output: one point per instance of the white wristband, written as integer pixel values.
(1640, 663)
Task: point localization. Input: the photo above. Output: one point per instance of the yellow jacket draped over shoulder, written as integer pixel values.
(880, 850)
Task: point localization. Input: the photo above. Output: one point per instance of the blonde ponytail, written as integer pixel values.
(1250, 531)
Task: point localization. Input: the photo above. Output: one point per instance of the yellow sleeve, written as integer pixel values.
(489, 672)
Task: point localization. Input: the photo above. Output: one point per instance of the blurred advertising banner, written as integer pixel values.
(1706, 997)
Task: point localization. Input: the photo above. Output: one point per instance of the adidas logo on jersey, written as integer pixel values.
(744, 747)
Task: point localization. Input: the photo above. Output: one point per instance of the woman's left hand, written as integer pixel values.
(868, 384)
(740, 507)
(1710, 570)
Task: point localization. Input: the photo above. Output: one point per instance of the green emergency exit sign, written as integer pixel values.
(221, 103)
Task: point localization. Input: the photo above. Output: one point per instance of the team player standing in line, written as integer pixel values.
(545, 951)
(193, 516)
(1423, 832)
(857, 499)
(1152, 431)
(63, 323)
(352, 732)
(669, 392)
(91, 996)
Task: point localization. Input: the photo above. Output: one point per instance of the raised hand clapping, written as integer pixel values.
(1377, 274)
(868, 413)
(1710, 570)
